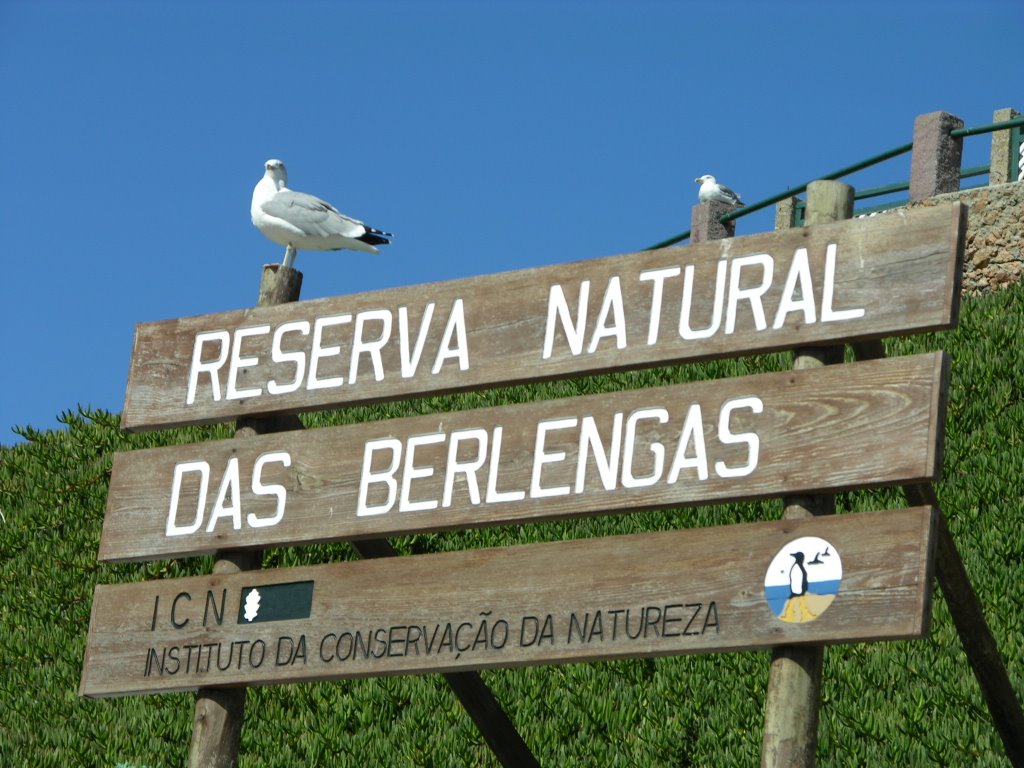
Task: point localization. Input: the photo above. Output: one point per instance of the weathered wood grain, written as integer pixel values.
(690, 591)
(902, 270)
(843, 427)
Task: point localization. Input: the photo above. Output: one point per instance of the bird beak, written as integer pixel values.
(698, 181)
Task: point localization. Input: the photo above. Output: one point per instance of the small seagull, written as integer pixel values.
(297, 220)
(712, 190)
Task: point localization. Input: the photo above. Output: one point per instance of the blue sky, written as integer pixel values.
(487, 136)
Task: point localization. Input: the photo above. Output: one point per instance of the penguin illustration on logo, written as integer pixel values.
(799, 589)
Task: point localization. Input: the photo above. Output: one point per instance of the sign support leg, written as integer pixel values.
(471, 690)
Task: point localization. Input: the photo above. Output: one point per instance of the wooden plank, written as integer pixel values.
(846, 427)
(868, 577)
(849, 281)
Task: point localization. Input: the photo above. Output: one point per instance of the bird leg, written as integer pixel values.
(289, 257)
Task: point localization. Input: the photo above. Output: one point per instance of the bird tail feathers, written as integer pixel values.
(375, 237)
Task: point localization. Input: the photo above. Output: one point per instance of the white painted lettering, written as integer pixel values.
(228, 503)
(829, 315)
(367, 477)
(237, 362)
(223, 338)
(469, 467)
(410, 472)
(275, 489)
(319, 351)
(658, 277)
(692, 432)
(494, 496)
(607, 462)
(611, 305)
(686, 331)
(542, 457)
(456, 329)
(180, 470)
(558, 308)
(629, 480)
(797, 281)
(410, 362)
(371, 347)
(727, 437)
(298, 359)
(752, 294)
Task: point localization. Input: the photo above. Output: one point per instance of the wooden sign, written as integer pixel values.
(740, 587)
(839, 427)
(847, 281)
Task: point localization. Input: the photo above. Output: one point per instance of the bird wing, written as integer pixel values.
(730, 194)
(311, 215)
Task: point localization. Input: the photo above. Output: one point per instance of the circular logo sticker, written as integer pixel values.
(803, 579)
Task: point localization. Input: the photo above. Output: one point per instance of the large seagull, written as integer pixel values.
(712, 190)
(297, 220)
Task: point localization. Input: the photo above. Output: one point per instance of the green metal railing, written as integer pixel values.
(1014, 125)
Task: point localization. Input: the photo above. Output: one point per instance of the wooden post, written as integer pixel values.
(219, 712)
(935, 162)
(794, 682)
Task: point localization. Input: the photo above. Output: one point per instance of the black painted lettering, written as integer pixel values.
(173, 654)
(323, 640)
(529, 631)
(447, 639)
(639, 627)
(395, 640)
(257, 652)
(241, 651)
(615, 622)
(188, 660)
(174, 610)
(380, 637)
(574, 625)
(413, 636)
(209, 654)
(350, 650)
(711, 618)
(285, 651)
(696, 612)
(666, 619)
(652, 617)
(151, 657)
(231, 652)
(212, 602)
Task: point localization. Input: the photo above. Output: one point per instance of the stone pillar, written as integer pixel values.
(935, 162)
(705, 224)
(1001, 169)
(785, 213)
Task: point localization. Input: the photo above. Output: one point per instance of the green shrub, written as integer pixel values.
(913, 703)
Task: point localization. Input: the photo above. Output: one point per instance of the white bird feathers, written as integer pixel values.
(712, 190)
(297, 220)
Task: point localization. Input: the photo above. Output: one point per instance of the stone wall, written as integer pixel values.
(994, 259)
